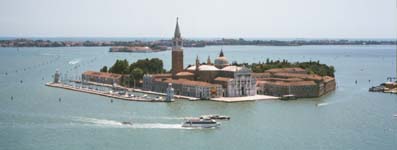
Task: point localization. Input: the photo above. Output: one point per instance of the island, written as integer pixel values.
(138, 49)
(216, 80)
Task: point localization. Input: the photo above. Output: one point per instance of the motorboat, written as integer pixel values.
(216, 117)
(200, 123)
(158, 98)
(126, 123)
(288, 97)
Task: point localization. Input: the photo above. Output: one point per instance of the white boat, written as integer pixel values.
(288, 97)
(200, 123)
(158, 98)
(216, 117)
(126, 123)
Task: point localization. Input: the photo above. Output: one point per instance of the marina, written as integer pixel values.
(106, 94)
(91, 90)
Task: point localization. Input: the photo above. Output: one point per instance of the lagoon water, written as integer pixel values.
(349, 118)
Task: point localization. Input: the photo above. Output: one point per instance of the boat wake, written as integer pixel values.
(322, 104)
(119, 124)
(74, 61)
(47, 54)
(162, 118)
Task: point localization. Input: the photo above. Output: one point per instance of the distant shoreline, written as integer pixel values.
(162, 44)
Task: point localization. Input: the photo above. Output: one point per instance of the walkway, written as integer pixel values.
(245, 98)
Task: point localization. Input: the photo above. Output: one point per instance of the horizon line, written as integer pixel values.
(214, 37)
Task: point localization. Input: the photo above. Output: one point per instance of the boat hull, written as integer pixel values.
(188, 125)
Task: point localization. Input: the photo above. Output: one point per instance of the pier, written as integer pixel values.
(145, 99)
(135, 90)
(245, 98)
(102, 93)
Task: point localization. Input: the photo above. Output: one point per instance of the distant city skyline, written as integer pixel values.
(200, 19)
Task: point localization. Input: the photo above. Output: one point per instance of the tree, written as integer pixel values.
(120, 67)
(104, 69)
(136, 75)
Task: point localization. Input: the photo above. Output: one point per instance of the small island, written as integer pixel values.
(138, 49)
(216, 80)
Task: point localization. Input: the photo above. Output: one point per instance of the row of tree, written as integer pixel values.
(134, 72)
(313, 67)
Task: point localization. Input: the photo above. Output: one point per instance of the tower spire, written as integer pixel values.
(209, 61)
(177, 33)
(197, 62)
(177, 52)
(221, 54)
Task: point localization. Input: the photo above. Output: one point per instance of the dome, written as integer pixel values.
(231, 68)
(221, 61)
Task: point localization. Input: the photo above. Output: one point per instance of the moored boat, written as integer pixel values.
(288, 97)
(216, 117)
(126, 123)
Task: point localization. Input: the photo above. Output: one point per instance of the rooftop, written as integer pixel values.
(231, 68)
(102, 74)
(286, 70)
(184, 74)
(162, 75)
(189, 82)
(280, 79)
(284, 83)
(204, 68)
(224, 79)
(299, 75)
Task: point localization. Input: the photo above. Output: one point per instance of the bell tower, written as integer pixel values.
(177, 52)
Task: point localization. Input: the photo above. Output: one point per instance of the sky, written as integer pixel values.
(199, 18)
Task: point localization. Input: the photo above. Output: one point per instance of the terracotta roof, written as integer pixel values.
(284, 70)
(184, 74)
(102, 74)
(283, 83)
(163, 75)
(260, 74)
(280, 79)
(328, 78)
(223, 79)
(189, 82)
(298, 75)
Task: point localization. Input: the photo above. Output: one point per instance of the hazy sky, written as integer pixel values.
(200, 18)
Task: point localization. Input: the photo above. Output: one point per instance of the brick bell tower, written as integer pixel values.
(177, 52)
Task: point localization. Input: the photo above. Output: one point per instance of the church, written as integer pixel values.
(204, 81)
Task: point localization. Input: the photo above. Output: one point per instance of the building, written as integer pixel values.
(220, 79)
(177, 52)
(199, 89)
(205, 80)
(296, 81)
(57, 77)
(101, 77)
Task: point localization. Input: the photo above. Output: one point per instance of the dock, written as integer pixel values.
(163, 94)
(102, 93)
(245, 98)
(136, 90)
(144, 99)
